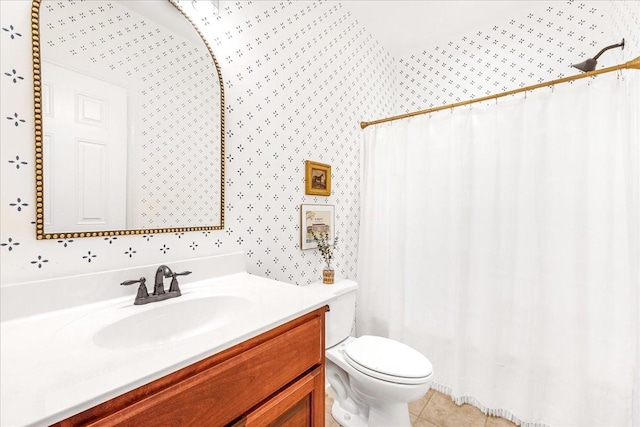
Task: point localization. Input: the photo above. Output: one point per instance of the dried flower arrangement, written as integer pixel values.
(325, 246)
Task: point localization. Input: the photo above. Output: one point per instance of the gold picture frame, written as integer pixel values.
(316, 218)
(317, 179)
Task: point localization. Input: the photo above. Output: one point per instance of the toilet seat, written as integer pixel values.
(388, 360)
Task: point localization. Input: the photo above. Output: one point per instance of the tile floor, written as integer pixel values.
(437, 410)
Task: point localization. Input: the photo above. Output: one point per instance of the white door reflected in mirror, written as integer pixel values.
(85, 146)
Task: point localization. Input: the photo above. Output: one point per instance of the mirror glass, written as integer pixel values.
(130, 137)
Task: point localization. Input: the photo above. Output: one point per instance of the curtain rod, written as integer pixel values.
(634, 63)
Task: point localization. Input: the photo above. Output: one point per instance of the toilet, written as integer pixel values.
(374, 378)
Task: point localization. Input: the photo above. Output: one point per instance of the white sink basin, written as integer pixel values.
(171, 320)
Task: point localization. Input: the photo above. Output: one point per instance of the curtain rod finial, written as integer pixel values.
(634, 63)
(363, 125)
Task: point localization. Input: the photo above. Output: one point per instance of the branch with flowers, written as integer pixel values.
(325, 246)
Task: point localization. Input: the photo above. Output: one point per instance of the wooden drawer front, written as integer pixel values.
(218, 395)
(299, 405)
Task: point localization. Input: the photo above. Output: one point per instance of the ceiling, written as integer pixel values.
(404, 26)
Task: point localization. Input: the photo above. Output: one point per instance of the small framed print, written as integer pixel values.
(318, 219)
(317, 179)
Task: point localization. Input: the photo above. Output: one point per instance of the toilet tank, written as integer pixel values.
(342, 310)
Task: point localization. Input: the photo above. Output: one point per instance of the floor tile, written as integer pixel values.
(330, 422)
(498, 422)
(422, 423)
(442, 411)
(437, 410)
(413, 418)
(328, 401)
(417, 406)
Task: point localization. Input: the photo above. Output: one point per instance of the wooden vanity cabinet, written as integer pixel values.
(274, 379)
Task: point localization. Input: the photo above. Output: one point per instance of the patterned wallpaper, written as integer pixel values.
(299, 77)
(527, 49)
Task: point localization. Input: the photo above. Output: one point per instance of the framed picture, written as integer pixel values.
(318, 219)
(317, 179)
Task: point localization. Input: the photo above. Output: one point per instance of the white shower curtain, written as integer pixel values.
(502, 241)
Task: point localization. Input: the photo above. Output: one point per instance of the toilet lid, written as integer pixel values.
(388, 360)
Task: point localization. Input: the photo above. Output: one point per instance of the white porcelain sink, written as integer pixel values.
(170, 321)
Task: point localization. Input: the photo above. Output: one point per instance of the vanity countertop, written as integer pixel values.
(52, 368)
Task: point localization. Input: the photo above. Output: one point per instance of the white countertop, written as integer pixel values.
(51, 368)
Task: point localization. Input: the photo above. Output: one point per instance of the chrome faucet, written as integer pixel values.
(159, 293)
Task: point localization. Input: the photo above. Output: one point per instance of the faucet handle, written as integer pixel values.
(174, 282)
(133, 282)
(142, 289)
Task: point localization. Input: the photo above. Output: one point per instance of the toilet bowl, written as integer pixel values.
(374, 378)
(374, 395)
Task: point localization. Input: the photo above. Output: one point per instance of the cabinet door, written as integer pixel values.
(299, 405)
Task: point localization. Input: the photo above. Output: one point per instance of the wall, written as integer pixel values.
(299, 77)
(527, 49)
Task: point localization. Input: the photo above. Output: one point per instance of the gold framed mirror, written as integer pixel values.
(129, 120)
